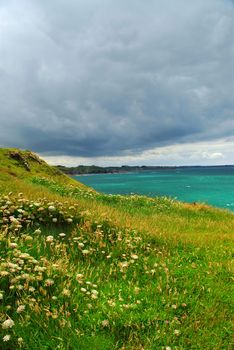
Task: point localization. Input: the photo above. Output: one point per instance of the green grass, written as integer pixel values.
(126, 272)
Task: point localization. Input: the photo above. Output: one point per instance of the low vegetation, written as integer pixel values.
(84, 270)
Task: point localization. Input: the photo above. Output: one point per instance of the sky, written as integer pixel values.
(111, 82)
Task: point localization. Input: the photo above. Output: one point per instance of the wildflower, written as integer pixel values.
(40, 268)
(20, 340)
(6, 337)
(94, 294)
(28, 238)
(176, 332)
(49, 282)
(12, 266)
(123, 264)
(20, 309)
(54, 220)
(13, 245)
(4, 273)
(111, 303)
(174, 306)
(136, 290)
(66, 292)
(49, 239)
(38, 231)
(69, 220)
(105, 323)
(83, 290)
(1, 296)
(168, 348)
(79, 278)
(24, 256)
(9, 323)
(13, 219)
(94, 291)
(20, 287)
(62, 234)
(81, 245)
(51, 208)
(85, 252)
(134, 256)
(183, 305)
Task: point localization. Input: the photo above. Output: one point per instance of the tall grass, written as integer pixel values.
(82, 270)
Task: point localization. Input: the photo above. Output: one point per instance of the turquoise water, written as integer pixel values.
(212, 185)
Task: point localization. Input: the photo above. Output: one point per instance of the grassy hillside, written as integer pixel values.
(84, 270)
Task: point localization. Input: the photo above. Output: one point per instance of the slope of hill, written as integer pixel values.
(84, 270)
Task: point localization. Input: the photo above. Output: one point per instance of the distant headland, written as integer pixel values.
(93, 169)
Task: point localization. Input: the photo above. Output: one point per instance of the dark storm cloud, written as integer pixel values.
(106, 78)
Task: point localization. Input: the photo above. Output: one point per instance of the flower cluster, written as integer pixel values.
(93, 274)
(18, 213)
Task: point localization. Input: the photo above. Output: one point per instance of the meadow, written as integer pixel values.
(84, 270)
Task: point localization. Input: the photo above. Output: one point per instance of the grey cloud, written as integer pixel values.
(80, 78)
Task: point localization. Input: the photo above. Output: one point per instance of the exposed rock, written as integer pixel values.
(21, 159)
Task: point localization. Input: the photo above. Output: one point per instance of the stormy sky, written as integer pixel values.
(118, 82)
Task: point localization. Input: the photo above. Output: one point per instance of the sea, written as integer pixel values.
(210, 185)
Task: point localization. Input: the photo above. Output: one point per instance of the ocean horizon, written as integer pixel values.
(212, 185)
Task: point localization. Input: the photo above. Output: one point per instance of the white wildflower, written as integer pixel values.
(13, 245)
(28, 238)
(9, 323)
(134, 256)
(94, 291)
(6, 337)
(49, 282)
(20, 340)
(51, 208)
(62, 234)
(38, 231)
(40, 268)
(20, 309)
(20, 287)
(85, 252)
